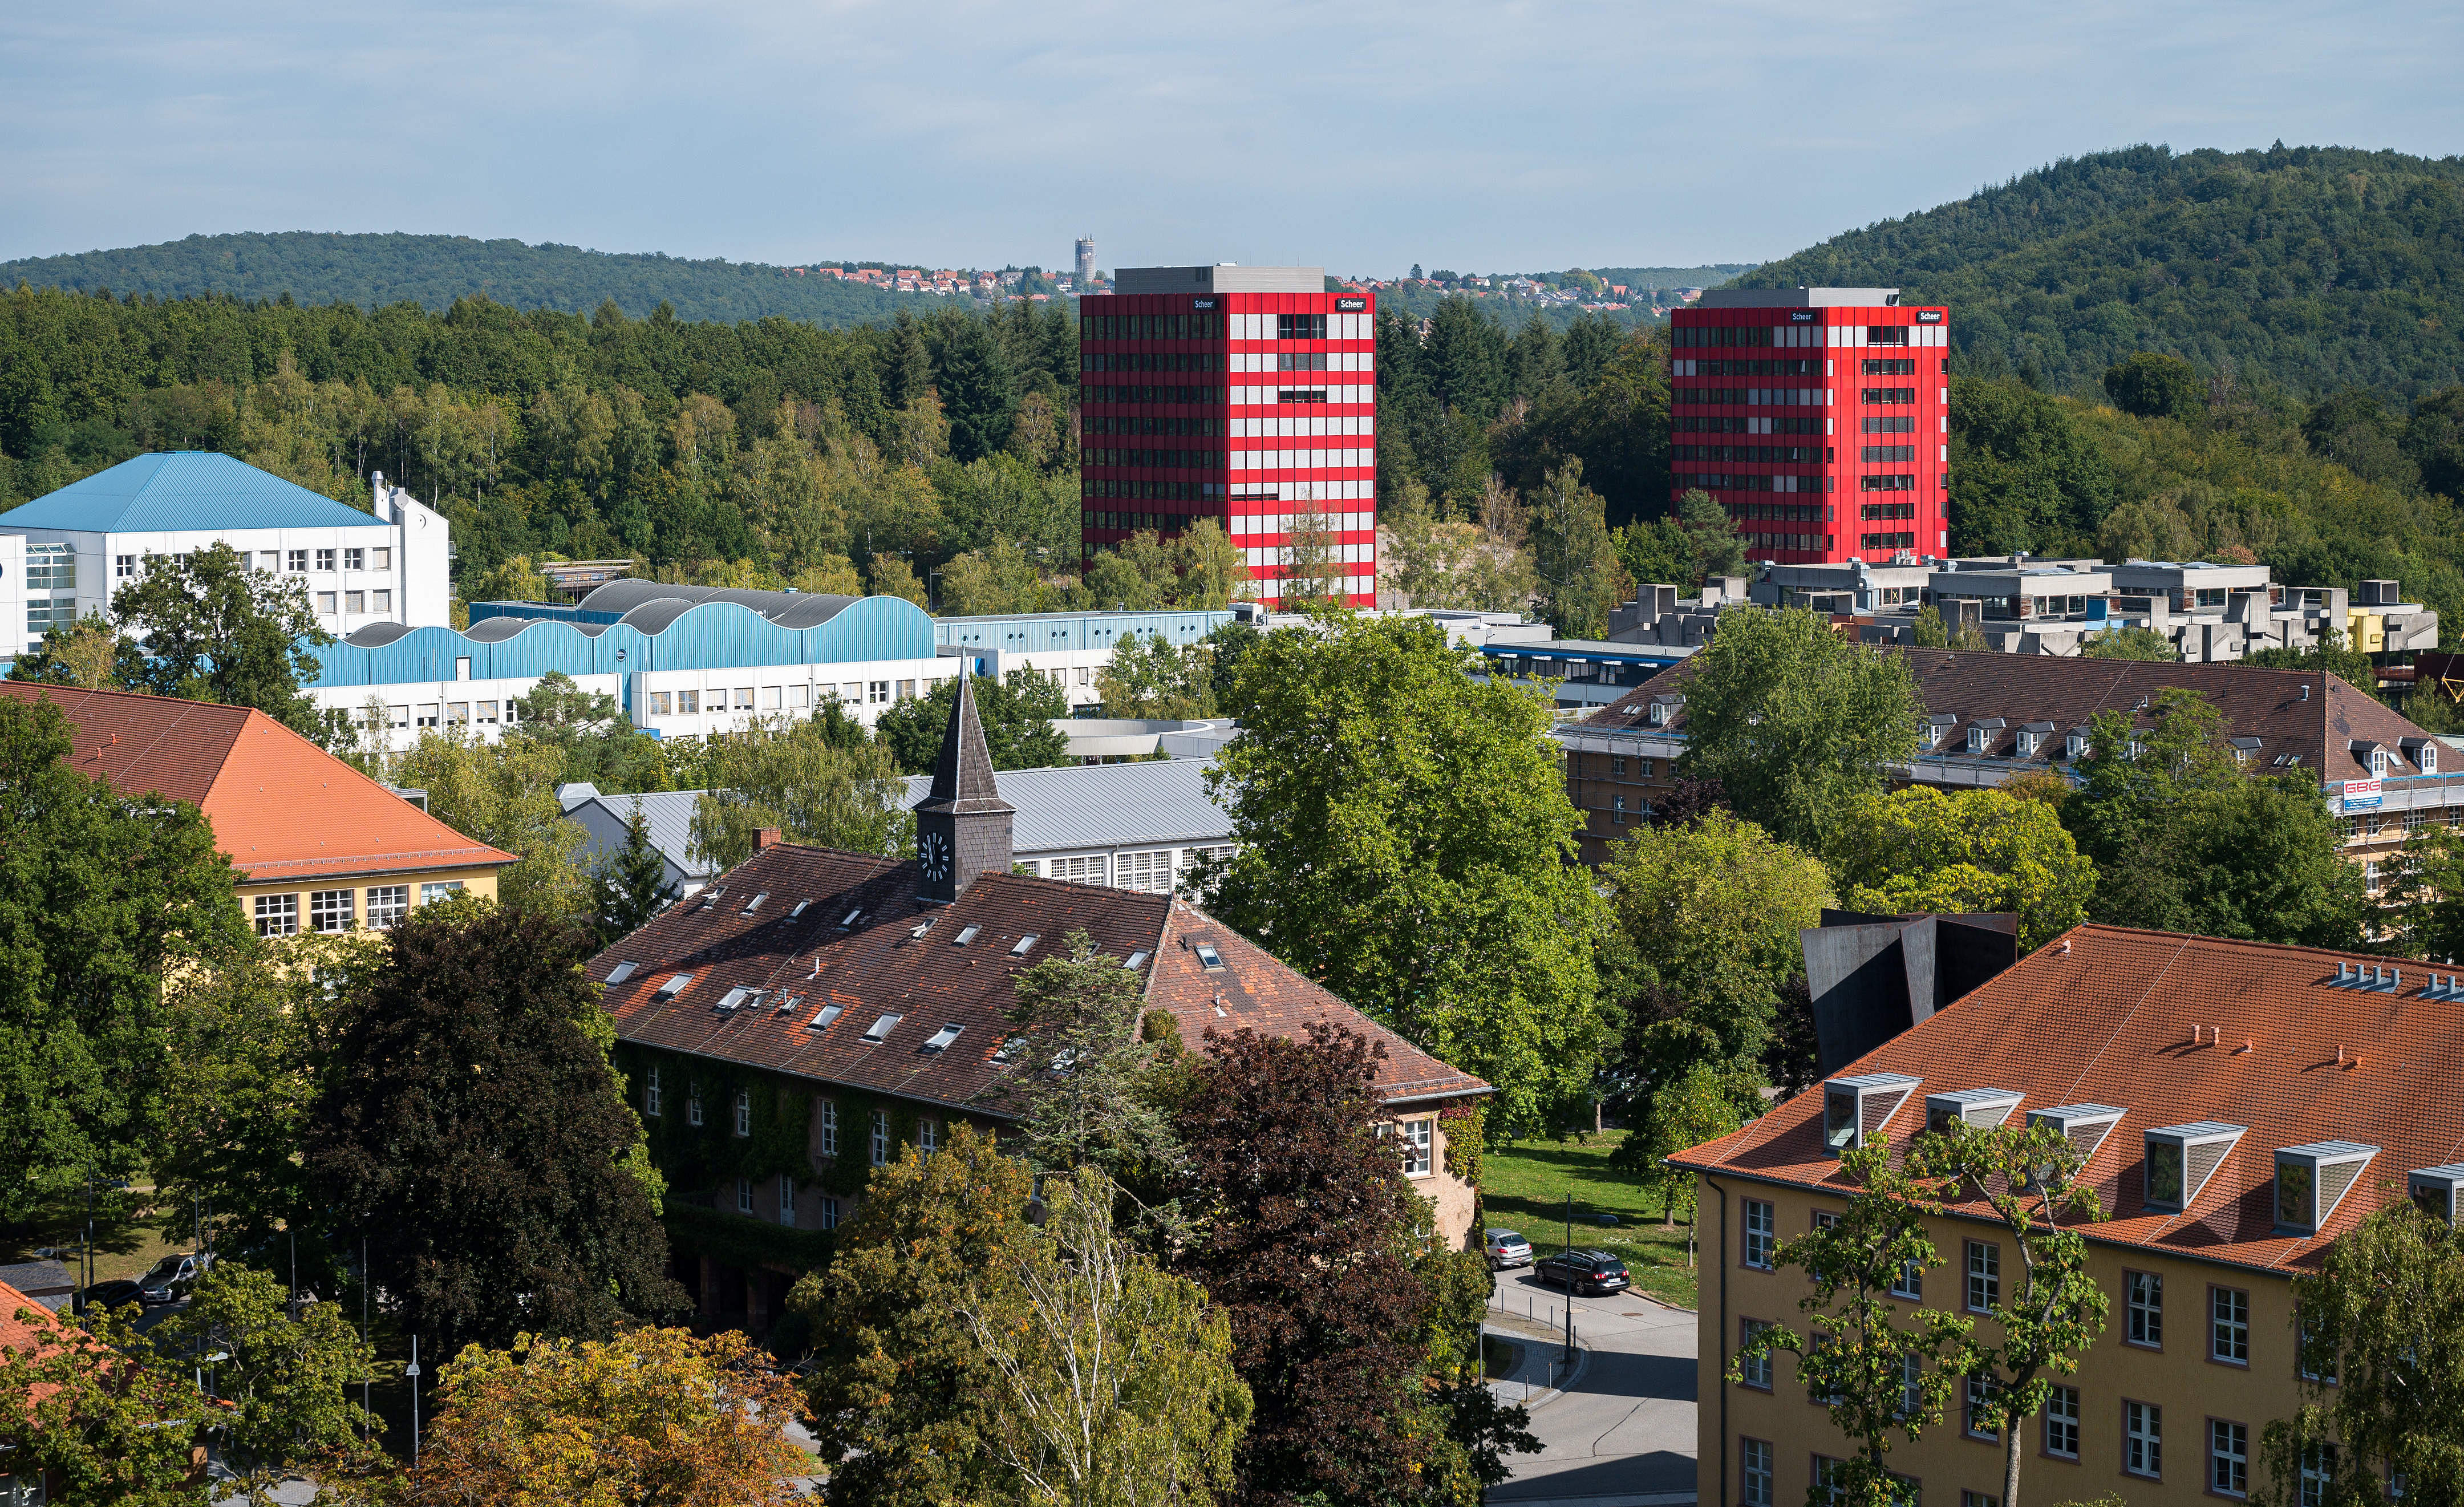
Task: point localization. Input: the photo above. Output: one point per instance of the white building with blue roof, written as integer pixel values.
(65, 553)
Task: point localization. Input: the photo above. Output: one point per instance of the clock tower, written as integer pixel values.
(962, 826)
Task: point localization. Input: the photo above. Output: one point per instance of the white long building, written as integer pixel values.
(63, 554)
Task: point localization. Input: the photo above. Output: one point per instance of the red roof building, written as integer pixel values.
(320, 846)
(2241, 1105)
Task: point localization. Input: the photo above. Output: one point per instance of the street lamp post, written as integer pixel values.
(411, 1372)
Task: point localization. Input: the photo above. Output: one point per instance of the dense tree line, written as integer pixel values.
(2318, 268)
(434, 271)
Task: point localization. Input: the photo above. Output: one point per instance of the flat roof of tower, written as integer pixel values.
(1798, 299)
(1222, 277)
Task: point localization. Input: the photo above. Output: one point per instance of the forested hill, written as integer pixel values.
(432, 271)
(2320, 268)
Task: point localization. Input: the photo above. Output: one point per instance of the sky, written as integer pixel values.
(1361, 136)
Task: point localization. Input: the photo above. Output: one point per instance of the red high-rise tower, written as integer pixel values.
(1244, 394)
(1819, 418)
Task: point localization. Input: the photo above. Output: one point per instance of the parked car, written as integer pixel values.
(1506, 1248)
(118, 1292)
(170, 1279)
(1593, 1272)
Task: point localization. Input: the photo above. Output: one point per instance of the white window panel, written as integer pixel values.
(1147, 871)
(1095, 869)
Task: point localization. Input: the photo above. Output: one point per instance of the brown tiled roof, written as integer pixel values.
(281, 807)
(798, 963)
(2104, 1016)
(2265, 704)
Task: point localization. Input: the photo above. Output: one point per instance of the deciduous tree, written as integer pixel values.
(1405, 839)
(1580, 576)
(1017, 711)
(284, 1377)
(215, 631)
(798, 776)
(470, 1128)
(1795, 721)
(1152, 679)
(1923, 849)
(651, 1415)
(504, 794)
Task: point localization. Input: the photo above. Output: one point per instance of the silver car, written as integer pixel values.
(1506, 1248)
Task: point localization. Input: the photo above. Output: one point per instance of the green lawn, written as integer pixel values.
(1526, 1187)
(127, 1239)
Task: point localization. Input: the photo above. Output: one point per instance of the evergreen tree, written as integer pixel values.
(630, 885)
(1580, 577)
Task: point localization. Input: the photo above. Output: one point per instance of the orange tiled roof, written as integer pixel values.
(281, 807)
(2105, 1015)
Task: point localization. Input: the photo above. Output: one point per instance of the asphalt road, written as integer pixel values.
(1622, 1434)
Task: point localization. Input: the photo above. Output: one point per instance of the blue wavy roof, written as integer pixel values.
(704, 635)
(185, 489)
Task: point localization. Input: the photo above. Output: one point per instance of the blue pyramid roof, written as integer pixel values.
(186, 489)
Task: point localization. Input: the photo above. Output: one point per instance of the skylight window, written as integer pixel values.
(853, 917)
(754, 903)
(881, 1029)
(1023, 943)
(943, 1037)
(800, 907)
(827, 1014)
(621, 972)
(1208, 958)
(732, 998)
(1136, 960)
(921, 927)
(676, 985)
(965, 936)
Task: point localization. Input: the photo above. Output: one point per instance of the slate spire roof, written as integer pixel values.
(962, 778)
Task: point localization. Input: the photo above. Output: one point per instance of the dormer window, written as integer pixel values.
(2243, 748)
(2378, 763)
(1855, 1108)
(1980, 1109)
(2423, 752)
(2180, 1160)
(2085, 1126)
(2076, 742)
(2311, 1180)
(2434, 1190)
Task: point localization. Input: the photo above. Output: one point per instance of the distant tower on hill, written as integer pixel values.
(1085, 260)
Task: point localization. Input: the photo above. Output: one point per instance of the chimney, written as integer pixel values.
(766, 838)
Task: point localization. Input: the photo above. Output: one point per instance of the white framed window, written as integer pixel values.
(387, 904)
(830, 1213)
(688, 702)
(880, 1138)
(380, 602)
(1978, 1414)
(928, 1135)
(2229, 1325)
(381, 559)
(745, 1196)
(1984, 1275)
(433, 890)
(1415, 1147)
(876, 692)
(1911, 1282)
(744, 1112)
(693, 1103)
(788, 1201)
(2227, 1457)
(830, 1127)
(2062, 1423)
(773, 699)
(2143, 1439)
(650, 1102)
(1753, 1472)
(277, 915)
(745, 698)
(1147, 871)
(330, 910)
(1760, 1234)
(2317, 1475)
(1911, 1386)
(298, 560)
(324, 561)
(123, 566)
(1095, 869)
(355, 559)
(1753, 1371)
(355, 601)
(326, 604)
(2143, 1297)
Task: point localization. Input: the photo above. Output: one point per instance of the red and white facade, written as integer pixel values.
(1819, 418)
(1244, 394)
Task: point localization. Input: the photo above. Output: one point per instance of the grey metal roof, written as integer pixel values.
(1161, 801)
(667, 813)
(2329, 1150)
(787, 609)
(2200, 1130)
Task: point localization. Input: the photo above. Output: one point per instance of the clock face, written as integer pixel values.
(933, 854)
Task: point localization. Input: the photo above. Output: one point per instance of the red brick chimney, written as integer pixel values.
(766, 837)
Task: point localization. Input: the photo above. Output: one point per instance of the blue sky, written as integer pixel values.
(1365, 137)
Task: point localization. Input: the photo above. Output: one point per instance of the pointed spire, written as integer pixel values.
(962, 778)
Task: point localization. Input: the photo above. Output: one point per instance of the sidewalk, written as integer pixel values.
(1541, 1370)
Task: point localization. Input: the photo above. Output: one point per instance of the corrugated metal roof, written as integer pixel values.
(667, 813)
(1161, 801)
(185, 491)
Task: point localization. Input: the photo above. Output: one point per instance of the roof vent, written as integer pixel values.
(674, 986)
(881, 1028)
(942, 1038)
(827, 1014)
(2312, 1179)
(1980, 1109)
(621, 972)
(1855, 1108)
(2441, 986)
(2434, 1189)
(2180, 1160)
